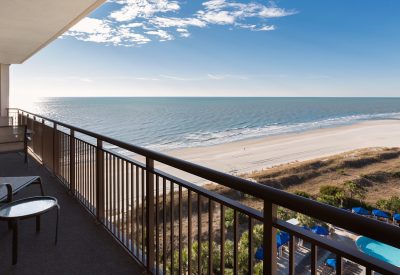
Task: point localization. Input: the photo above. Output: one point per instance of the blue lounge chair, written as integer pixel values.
(380, 214)
(331, 262)
(360, 211)
(259, 254)
(320, 230)
(281, 239)
(396, 218)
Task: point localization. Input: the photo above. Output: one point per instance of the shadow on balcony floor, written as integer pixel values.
(83, 246)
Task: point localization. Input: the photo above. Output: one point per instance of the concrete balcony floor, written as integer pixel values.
(84, 247)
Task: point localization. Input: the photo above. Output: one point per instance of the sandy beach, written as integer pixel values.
(256, 154)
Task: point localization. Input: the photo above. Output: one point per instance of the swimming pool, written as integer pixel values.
(379, 250)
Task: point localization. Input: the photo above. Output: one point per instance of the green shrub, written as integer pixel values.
(176, 262)
(228, 249)
(216, 254)
(330, 190)
(396, 174)
(258, 268)
(350, 203)
(394, 204)
(258, 233)
(302, 193)
(306, 220)
(390, 205)
(382, 204)
(341, 171)
(331, 195)
(285, 214)
(243, 259)
(331, 200)
(355, 190)
(229, 216)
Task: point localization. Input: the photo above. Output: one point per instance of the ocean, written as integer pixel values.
(172, 123)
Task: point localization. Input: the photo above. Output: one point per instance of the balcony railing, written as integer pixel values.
(173, 226)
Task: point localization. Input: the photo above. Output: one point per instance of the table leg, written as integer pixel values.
(38, 223)
(41, 186)
(15, 243)
(58, 215)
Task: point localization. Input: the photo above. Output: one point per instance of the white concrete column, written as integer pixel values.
(4, 88)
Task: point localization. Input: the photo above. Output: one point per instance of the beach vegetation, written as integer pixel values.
(355, 190)
(305, 220)
(302, 194)
(243, 255)
(285, 214)
(332, 195)
(364, 183)
(396, 174)
(258, 268)
(364, 174)
(230, 217)
(258, 233)
(341, 171)
(392, 204)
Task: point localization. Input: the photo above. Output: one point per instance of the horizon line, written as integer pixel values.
(116, 96)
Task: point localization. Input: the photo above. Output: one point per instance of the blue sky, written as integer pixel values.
(222, 48)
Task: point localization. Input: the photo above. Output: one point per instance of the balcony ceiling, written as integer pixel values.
(26, 26)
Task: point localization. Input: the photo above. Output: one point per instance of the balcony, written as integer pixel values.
(83, 246)
(119, 215)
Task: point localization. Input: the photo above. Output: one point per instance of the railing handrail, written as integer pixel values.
(377, 230)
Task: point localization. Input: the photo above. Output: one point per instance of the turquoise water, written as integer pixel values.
(170, 123)
(379, 250)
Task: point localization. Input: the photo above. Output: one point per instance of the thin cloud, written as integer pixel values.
(132, 9)
(137, 22)
(163, 35)
(209, 76)
(167, 22)
(226, 76)
(178, 78)
(229, 12)
(183, 32)
(254, 27)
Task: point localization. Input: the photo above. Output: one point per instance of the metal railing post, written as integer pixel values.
(292, 249)
(150, 214)
(34, 134)
(72, 163)
(270, 249)
(339, 265)
(19, 118)
(314, 251)
(99, 181)
(42, 125)
(55, 150)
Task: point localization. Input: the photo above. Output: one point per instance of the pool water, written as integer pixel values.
(379, 250)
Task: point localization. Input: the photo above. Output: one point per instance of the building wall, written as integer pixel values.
(4, 88)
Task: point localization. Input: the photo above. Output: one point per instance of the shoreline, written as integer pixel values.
(244, 156)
